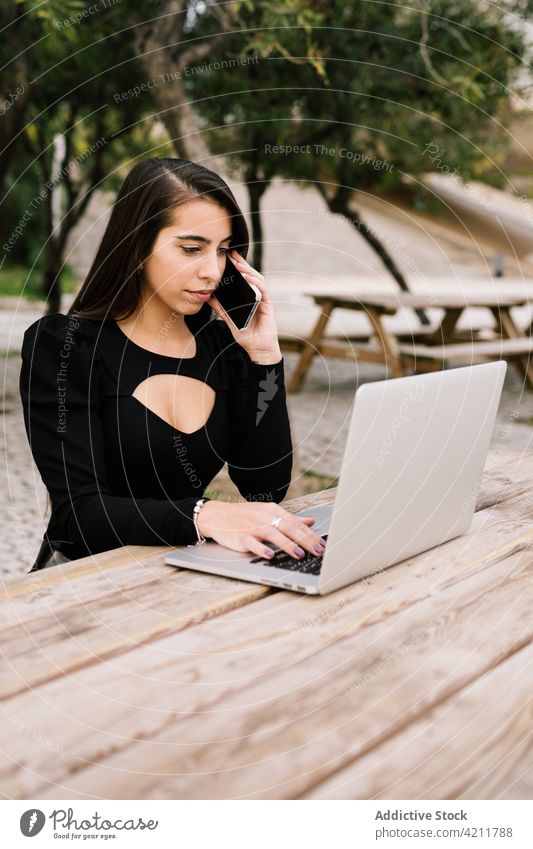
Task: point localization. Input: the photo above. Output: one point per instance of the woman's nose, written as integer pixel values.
(212, 267)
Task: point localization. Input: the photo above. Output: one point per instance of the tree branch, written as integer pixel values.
(339, 204)
(424, 52)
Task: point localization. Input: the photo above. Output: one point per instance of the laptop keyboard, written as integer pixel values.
(310, 563)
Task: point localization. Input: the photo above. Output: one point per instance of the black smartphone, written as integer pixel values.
(238, 298)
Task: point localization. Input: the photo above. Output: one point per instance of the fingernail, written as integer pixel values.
(299, 552)
(319, 549)
(269, 552)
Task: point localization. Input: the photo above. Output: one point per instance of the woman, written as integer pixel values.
(136, 398)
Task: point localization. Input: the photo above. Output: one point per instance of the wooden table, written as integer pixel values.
(424, 351)
(126, 678)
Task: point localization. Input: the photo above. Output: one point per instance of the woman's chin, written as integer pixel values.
(185, 306)
(188, 304)
(194, 307)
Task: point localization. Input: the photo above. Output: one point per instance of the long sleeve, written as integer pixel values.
(60, 392)
(260, 457)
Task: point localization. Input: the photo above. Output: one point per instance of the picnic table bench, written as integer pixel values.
(424, 350)
(127, 678)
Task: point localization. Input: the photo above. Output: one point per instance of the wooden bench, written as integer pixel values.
(492, 349)
(291, 343)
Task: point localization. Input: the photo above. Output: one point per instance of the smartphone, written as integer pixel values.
(238, 298)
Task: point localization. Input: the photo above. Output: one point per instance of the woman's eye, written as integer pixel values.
(195, 250)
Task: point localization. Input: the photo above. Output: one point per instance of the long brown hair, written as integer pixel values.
(143, 207)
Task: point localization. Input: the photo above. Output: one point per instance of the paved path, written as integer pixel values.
(319, 418)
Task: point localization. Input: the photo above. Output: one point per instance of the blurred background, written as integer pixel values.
(373, 146)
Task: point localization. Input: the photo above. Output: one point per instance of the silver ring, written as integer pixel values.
(276, 520)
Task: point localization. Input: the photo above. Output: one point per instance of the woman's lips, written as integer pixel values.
(201, 294)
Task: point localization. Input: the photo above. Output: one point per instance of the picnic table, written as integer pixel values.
(127, 678)
(426, 350)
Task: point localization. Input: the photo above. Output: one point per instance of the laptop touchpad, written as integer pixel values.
(322, 515)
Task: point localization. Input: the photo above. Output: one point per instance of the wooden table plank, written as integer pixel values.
(90, 579)
(50, 646)
(223, 698)
(295, 725)
(78, 580)
(74, 585)
(477, 744)
(506, 476)
(399, 300)
(278, 730)
(49, 640)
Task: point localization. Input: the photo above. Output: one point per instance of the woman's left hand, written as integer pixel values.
(260, 338)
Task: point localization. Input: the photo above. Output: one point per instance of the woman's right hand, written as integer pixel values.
(248, 525)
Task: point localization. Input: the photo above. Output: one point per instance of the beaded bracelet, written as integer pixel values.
(197, 507)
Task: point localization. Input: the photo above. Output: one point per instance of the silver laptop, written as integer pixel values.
(409, 480)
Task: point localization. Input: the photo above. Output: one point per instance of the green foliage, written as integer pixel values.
(377, 82)
(20, 281)
(383, 82)
(79, 66)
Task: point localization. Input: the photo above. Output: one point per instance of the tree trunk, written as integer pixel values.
(165, 53)
(256, 189)
(340, 205)
(52, 278)
(14, 97)
(176, 112)
(76, 197)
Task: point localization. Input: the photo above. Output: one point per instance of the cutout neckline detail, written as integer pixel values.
(149, 411)
(154, 353)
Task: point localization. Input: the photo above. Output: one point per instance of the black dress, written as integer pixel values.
(117, 473)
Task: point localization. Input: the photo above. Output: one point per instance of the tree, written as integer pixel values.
(372, 82)
(81, 124)
(168, 45)
(197, 49)
(385, 82)
(18, 37)
(243, 96)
